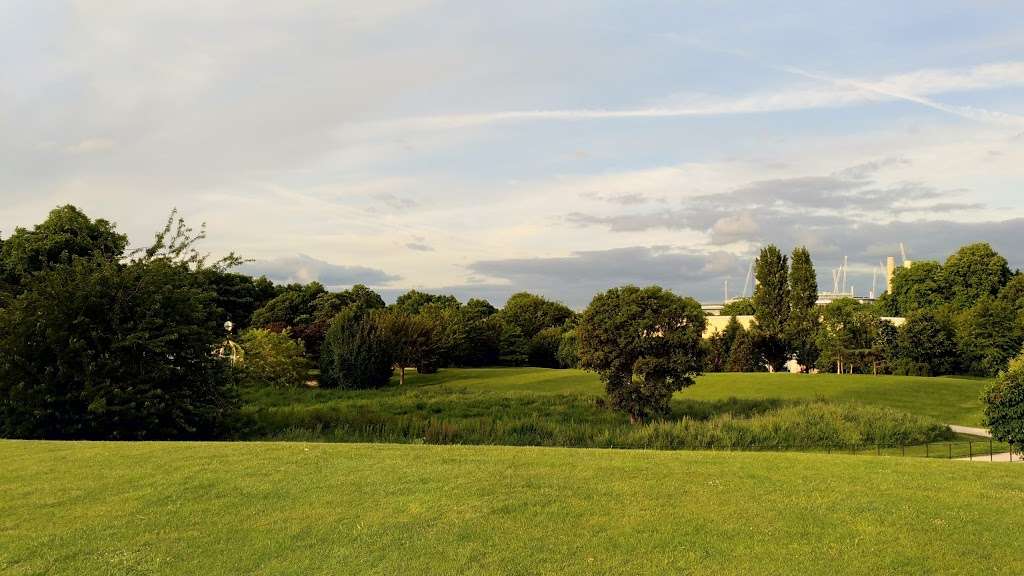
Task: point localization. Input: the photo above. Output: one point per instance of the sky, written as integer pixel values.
(563, 148)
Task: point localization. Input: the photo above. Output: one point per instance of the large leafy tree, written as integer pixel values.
(97, 348)
(66, 233)
(645, 343)
(927, 344)
(356, 352)
(802, 325)
(847, 337)
(772, 306)
(412, 339)
(413, 301)
(988, 335)
(974, 272)
(531, 313)
(917, 288)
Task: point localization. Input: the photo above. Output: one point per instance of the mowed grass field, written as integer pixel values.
(80, 508)
(948, 399)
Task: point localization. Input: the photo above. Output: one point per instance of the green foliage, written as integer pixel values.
(744, 356)
(543, 349)
(238, 295)
(972, 273)
(988, 335)
(98, 349)
(739, 307)
(356, 352)
(272, 359)
(718, 347)
(802, 326)
(482, 344)
(531, 313)
(645, 343)
(568, 350)
(66, 233)
(847, 337)
(772, 306)
(413, 301)
(927, 344)
(514, 348)
(919, 287)
(449, 335)
(413, 340)
(1004, 404)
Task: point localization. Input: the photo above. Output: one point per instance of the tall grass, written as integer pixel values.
(454, 416)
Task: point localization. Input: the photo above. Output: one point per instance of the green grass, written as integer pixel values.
(948, 400)
(287, 508)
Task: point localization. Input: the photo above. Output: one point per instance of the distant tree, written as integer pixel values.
(292, 307)
(543, 350)
(738, 307)
(645, 345)
(917, 288)
(238, 295)
(66, 233)
(482, 343)
(771, 306)
(513, 347)
(413, 301)
(449, 335)
(886, 345)
(531, 313)
(1013, 292)
(988, 335)
(927, 344)
(568, 350)
(272, 359)
(356, 352)
(802, 326)
(411, 339)
(1004, 405)
(743, 356)
(972, 273)
(718, 347)
(847, 337)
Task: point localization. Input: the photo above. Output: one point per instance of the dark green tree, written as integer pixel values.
(413, 301)
(988, 335)
(531, 313)
(513, 347)
(718, 348)
(645, 343)
(356, 352)
(771, 306)
(919, 287)
(568, 350)
(802, 326)
(927, 345)
(543, 349)
(744, 357)
(738, 307)
(411, 339)
(972, 273)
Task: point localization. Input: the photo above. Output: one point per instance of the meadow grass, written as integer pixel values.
(538, 407)
(76, 508)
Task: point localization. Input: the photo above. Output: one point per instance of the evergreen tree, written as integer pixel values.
(771, 306)
(803, 309)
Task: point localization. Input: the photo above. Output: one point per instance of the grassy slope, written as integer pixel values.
(949, 400)
(284, 508)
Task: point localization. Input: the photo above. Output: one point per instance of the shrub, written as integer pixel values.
(355, 353)
(272, 359)
(568, 350)
(1004, 404)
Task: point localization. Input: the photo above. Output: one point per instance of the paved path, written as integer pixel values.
(983, 432)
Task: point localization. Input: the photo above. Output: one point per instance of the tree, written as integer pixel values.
(356, 352)
(743, 356)
(272, 359)
(413, 301)
(917, 288)
(543, 349)
(738, 307)
(847, 336)
(531, 313)
(513, 347)
(988, 335)
(718, 348)
(66, 233)
(95, 348)
(802, 325)
(972, 273)
(411, 339)
(449, 335)
(927, 345)
(568, 350)
(482, 343)
(645, 343)
(1004, 405)
(238, 295)
(771, 306)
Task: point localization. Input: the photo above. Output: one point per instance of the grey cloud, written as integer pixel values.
(303, 268)
(394, 201)
(419, 247)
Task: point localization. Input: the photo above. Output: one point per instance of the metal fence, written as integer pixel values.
(949, 450)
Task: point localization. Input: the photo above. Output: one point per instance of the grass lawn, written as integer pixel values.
(290, 508)
(949, 400)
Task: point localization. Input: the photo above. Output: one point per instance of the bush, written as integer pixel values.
(272, 359)
(1004, 404)
(355, 353)
(100, 349)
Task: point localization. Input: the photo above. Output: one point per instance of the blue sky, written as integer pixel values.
(484, 148)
